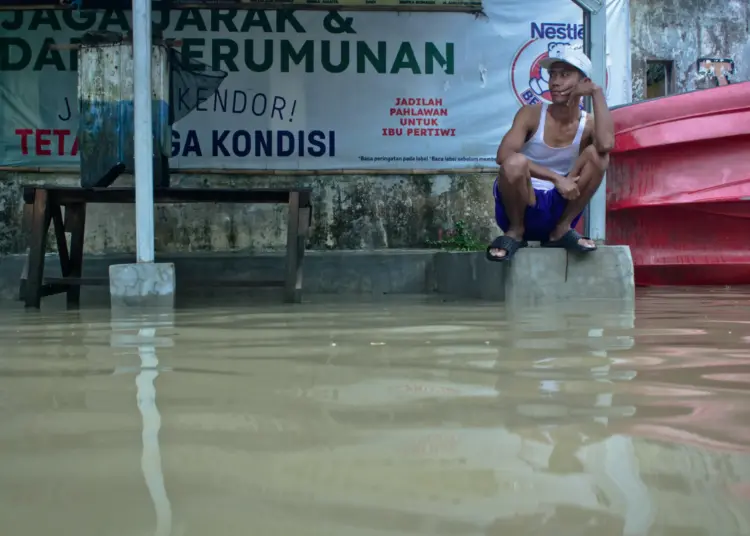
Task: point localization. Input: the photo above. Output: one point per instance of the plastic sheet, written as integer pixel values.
(678, 187)
(106, 119)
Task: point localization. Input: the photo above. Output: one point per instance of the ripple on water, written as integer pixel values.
(380, 419)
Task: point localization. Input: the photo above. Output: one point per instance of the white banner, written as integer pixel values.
(311, 90)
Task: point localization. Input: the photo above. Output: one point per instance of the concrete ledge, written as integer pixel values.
(376, 272)
(538, 276)
(534, 276)
(469, 275)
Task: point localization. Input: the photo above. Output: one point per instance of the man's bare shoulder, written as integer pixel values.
(530, 113)
(532, 109)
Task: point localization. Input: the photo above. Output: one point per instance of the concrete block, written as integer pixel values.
(535, 276)
(469, 275)
(142, 285)
(539, 276)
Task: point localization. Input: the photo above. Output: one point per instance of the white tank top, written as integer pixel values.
(558, 159)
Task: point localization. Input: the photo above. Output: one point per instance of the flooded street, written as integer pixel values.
(392, 418)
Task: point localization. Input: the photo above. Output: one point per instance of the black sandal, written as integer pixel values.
(509, 244)
(569, 242)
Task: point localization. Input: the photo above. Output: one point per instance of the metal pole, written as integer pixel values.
(595, 45)
(587, 102)
(144, 146)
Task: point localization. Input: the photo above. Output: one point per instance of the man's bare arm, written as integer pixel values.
(604, 127)
(514, 140)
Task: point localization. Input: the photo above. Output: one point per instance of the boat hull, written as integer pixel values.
(678, 187)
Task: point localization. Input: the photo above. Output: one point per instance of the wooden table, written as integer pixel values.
(44, 204)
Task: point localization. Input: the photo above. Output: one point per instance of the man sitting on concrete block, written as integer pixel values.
(552, 161)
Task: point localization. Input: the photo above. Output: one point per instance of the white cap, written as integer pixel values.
(572, 56)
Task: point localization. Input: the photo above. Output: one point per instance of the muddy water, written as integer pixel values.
(379, 419)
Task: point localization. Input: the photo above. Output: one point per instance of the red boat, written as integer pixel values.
(678, 187)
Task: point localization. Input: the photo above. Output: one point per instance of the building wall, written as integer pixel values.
(349, 212)
(684, 31)
(353, 212)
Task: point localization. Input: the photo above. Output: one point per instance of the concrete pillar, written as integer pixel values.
(144, 284)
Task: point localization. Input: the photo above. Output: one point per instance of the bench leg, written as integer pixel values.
(40, 221)
(295, 250)
(75, 223)
(62, 242)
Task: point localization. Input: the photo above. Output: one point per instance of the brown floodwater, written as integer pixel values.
(396, 417)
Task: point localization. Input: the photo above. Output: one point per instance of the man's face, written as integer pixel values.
(562, 79)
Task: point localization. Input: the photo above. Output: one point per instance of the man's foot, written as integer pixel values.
(571, 241)
(504, 247)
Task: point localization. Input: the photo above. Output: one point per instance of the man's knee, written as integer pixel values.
(515, 168)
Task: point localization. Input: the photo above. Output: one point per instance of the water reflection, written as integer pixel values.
(379, 419)
(146, 325)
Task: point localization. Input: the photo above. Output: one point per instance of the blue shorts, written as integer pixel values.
(539, 220)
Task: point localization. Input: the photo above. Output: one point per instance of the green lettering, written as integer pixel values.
(255, 18)
(164, 19)
(225, 17)
(365, 55)
(44, 17)
(250, 56)
(432, 55)
(405, 59)
(79, 20)
(10, 61)
(227, 57)
(189, 54)
(287, 15)
(15, 23)
(306, 52)
(115, 18)
(326, 57)
(190, 17)
(49, 56)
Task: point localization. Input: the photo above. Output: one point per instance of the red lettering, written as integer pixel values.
(45, 140)
(419, 122)
(441, 112)
(24, 133)
(401, 101)
(42, 143)
(61, 140)
(431, 132)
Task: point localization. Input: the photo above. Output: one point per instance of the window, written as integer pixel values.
(659, 80)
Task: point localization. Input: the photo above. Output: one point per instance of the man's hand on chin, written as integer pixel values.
(584, 88)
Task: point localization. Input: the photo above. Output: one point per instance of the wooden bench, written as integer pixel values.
(44, 204)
